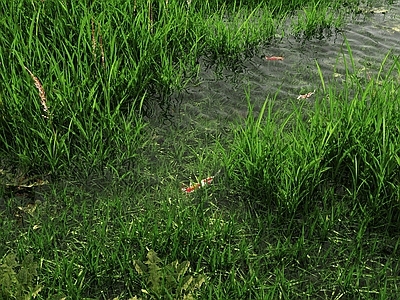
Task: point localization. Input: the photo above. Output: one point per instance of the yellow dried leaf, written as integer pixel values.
(188, 281)
(29, 208)
(145, 292)
(200, 280)
(182, 268)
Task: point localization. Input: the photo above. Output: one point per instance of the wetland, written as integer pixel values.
(199, 150)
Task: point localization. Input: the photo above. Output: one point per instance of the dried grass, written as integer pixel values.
(94, 42)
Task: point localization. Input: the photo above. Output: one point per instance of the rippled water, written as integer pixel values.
(220, 97)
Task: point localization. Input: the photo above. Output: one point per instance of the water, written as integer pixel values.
(206, 109)
(219, 98)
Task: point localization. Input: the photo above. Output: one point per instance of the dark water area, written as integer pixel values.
(218, 98)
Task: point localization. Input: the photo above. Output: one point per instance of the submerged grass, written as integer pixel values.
(344, 146)
(328, 183)
(306, 205)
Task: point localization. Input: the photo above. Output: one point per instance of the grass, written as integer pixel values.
(306, 205)
(95, 61)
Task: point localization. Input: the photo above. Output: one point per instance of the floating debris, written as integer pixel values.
(379, 10)
(372, 10)
(274, 58)
(196, 186)
(396, 28)
(306, 96)
(191, 188)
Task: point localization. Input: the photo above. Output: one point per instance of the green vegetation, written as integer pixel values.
(163, 280)
(18, 284)
(306, 202)
(347, 143)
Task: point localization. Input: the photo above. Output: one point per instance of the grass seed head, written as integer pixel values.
(94, 45)
(42, 93)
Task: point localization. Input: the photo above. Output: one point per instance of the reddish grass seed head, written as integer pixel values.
(42, 94)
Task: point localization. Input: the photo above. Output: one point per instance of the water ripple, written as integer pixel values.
(220, 98)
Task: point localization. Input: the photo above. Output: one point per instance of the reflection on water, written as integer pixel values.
(219, 97)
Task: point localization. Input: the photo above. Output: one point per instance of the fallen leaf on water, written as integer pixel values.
(274, 58)
(29, 209)
(38, 182)
(378, 11)
(191, 188)
(305, 96)
(196, 186)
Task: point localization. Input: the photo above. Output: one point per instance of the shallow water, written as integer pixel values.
(218, 98)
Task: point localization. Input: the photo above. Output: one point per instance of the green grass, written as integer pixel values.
(100, 64)
(347, 141)
(306, 205)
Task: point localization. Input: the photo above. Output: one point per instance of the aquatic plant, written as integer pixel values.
(305, 205)
(100, 75)
(169, 280)
(16, 280)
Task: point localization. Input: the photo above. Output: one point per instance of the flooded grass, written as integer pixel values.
(304, 204)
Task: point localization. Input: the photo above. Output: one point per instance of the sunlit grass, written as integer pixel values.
(306, 206)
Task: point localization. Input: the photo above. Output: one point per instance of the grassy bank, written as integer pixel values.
(305, 205)
(99, 64)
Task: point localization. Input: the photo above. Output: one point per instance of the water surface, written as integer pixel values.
(219, 97)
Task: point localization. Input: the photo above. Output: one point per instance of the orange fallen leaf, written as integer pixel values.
(274, 58)
(196, 186)
(191, 188)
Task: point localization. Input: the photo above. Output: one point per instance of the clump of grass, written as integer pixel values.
(325, 178)
(170, 280)
(102, 61)
(318, 21)
(347, 146)
(16, 279)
